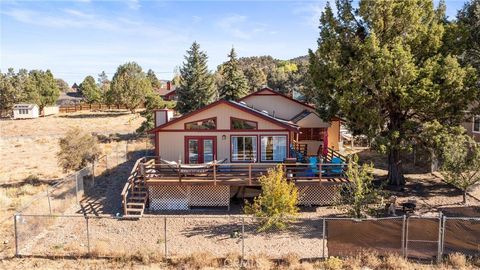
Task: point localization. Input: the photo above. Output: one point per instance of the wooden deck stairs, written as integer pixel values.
(134, 194)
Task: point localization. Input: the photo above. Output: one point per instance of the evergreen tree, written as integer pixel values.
(104, 85)
(196, 88)
(380, 66)
(130, 86)
(234, 84)
(41, 88)
(90, 90)
(256, 78)
(153, 79)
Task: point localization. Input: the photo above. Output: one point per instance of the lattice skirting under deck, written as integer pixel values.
(184, 197)
(319, 195)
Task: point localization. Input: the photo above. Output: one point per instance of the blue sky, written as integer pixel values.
(79, 38)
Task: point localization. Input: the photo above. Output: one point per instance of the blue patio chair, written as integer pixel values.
(336, 169)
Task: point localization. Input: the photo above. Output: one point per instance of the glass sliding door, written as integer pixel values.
(244, 148)
(199, 149)
(273, 148)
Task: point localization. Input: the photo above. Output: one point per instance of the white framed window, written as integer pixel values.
(273, 148)
(243, 148)
(476, 124)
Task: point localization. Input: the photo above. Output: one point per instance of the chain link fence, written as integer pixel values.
(242, 237)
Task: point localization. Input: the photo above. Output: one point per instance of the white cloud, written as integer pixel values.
(311, 12)
(232, 25)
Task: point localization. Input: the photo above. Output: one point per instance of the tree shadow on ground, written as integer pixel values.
(104, 196)
(380, 161)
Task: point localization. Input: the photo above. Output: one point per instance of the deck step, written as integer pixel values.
(139, 193)
(135, 205)
(138, 198)
(135, 210)
(132, 216)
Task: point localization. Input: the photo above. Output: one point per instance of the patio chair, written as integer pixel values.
(336, 169)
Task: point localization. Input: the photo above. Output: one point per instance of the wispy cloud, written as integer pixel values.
(310, 12)
(133, 4)
(231, 24)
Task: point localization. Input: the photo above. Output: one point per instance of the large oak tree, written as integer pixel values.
(380, 66)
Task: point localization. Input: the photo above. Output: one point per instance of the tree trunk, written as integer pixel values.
(434, 163)
(395, 171)
(464, 197)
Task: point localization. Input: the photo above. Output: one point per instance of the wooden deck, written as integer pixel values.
(240, 174)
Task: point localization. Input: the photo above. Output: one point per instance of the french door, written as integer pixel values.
(200, 149)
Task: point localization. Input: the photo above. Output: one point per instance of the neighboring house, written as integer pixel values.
(25, 111)
(221, 149)
(473, 127)
(167, 92)
(75, 88)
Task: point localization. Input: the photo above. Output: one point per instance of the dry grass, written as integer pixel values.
(206, 260)
(458, 261)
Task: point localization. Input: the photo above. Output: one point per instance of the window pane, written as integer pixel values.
(476, 124)
(274, 148)
(207, 150)
(193, 151)
(242, 124)
(244, 148)
(202, 124)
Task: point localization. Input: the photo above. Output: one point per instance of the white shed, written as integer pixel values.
(50, 110)
(24, 111)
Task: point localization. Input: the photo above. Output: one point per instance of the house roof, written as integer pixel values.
(276, 93)
(163, 91)
(24, 106)
(238, 105)
(300, 116)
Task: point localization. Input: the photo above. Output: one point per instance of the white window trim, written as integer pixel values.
(473, 124)
(286, 147)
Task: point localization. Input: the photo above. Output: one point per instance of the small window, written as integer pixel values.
(236, 123)
(210, 123)
(476, 123)
(313, 134)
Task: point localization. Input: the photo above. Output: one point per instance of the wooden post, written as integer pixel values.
(179, 173)
(250, 174)
(214, 172)
(319, 172)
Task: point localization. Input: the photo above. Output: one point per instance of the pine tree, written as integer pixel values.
(196, 88)
(234, 84)
(153, 79)
(41, 88)
(382, 68)
(130, 86)
(90, 90)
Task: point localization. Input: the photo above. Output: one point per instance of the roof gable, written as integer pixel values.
(232, 104)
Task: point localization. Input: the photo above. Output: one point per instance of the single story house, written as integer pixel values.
(205, 157)
(25, 111)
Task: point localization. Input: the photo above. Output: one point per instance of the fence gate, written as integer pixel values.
(423, 237)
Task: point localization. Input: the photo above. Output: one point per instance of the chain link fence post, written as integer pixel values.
(165, 237)
(323, 237)
(17, 252)
(49, 204)
(243, 243)
(88, 236)
(403, 236)
(93, 173)
(440, 229)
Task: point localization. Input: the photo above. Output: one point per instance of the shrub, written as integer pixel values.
(457, 260)
(277, 203)
(359, 196)
(333, 263)
(77, 149)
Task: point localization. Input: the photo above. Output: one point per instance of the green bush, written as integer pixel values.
(277, 204)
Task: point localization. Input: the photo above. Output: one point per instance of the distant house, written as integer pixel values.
(166, 91)
(25, 111)
(75, 87)
(473, 127)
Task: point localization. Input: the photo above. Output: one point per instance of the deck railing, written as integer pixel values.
(248, 173)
